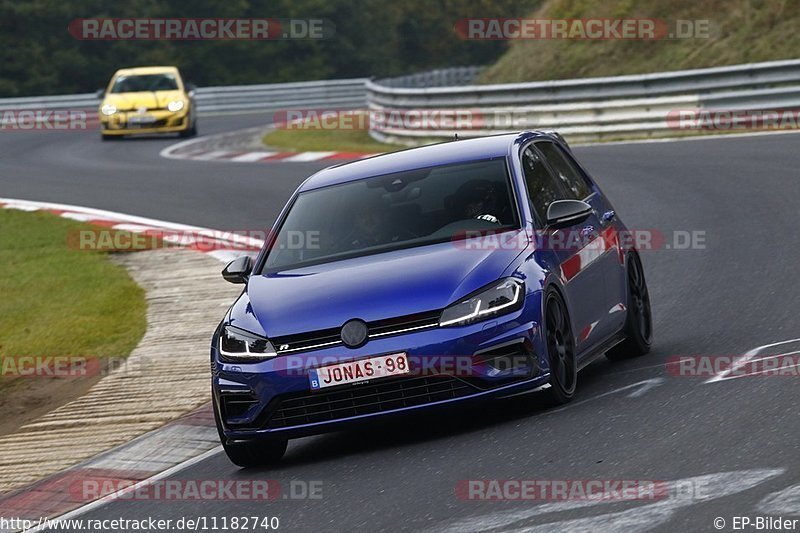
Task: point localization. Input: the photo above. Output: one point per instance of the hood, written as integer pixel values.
(375, 287)
(150, 100)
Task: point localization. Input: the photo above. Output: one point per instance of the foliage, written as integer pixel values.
(372, 38)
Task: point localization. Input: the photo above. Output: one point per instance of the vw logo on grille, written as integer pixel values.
(354, 333)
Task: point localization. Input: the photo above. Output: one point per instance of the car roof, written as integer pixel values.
(146, 70)
(444, 153)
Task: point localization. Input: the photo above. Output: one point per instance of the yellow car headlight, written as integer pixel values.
(108, 109)
(175, 105)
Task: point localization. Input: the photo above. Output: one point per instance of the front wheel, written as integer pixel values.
(560, 350)
(191, 131)
(639, 322)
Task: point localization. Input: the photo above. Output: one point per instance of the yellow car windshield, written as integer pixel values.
(145, 83)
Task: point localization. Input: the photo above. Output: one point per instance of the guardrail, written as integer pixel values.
(442, 77)
(584, 109)
(328, 94)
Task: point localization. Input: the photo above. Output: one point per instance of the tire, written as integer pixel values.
(250, 454)
(560, 350)
(639, 321)
(105, 137)
(189, 132)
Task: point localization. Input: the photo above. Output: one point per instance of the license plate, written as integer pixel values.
(359, 371)
(141, 119)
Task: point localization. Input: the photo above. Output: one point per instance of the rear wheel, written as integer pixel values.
(639, 322)
(560, 350)
(250, 454)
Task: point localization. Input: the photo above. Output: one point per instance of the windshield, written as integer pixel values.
(400, 210)
(145, 83)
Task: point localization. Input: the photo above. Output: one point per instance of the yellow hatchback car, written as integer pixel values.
(147, 100)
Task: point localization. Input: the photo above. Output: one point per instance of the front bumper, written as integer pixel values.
(164, 121)
(273, 399)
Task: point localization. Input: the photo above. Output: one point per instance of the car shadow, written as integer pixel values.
(149, 137)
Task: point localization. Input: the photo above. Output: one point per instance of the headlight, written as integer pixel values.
(240, 345)
(108, 109)
(502, 297)
(175, 105)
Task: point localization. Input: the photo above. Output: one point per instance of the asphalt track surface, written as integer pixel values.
(629, 421)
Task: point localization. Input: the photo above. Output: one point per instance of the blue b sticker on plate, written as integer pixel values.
(313, 379)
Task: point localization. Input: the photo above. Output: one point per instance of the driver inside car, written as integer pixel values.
(478, 200)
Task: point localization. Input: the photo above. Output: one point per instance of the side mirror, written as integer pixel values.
(238, 270)
(100, 93)
(191, 88)
(563, 213)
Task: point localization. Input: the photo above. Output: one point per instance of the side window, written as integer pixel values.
(543, 189)
(570, 175)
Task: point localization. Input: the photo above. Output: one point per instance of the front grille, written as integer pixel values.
(144, 125)
(366, 399)
(332, 337)
(395, 326)
(307, 341)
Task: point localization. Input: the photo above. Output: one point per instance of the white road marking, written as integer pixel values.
(641, 387)
(21, 207)
(646, 387)
(214, 154)
(81, 217)
(637, 519)
(132, 488)
(133, 223)
(134, 228)
(782, 503)
(307, 156)
(252, 156)
(746, 358)
(766, 370)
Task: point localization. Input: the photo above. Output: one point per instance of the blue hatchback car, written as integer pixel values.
(427, 277)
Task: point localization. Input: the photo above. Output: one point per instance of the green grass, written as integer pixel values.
(324, 140)
(59, 301)
(742, 31)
